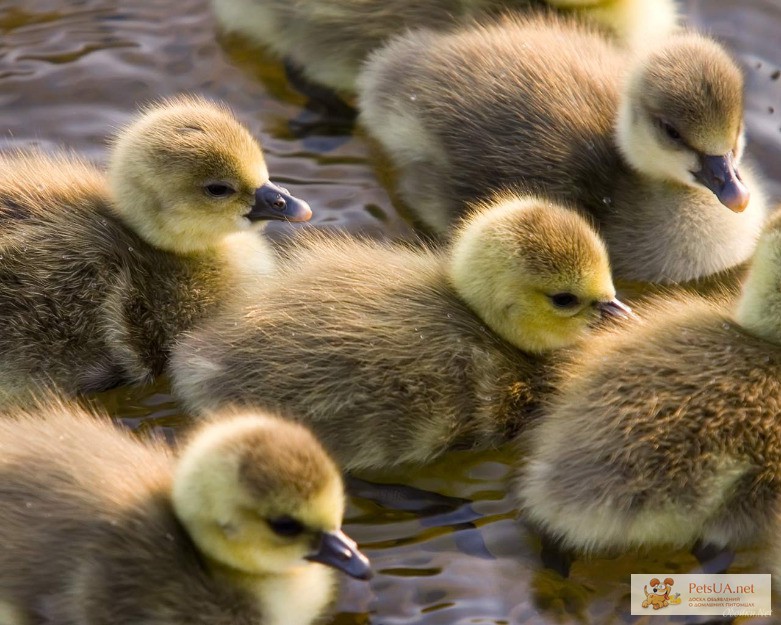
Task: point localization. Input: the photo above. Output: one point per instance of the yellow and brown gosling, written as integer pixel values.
(648, 144)
(666, 431)
(394, 354)
(98, 527)
(99, 275)
(329, 40)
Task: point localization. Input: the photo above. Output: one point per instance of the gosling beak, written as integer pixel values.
(339, 551)
(273, 202)
(718, 173)
(615, 308)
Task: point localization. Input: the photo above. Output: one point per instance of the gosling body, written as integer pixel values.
(98, 527)
(98, 276)
(330, 40)
(394, 354)
(549, 105)
(666, 431)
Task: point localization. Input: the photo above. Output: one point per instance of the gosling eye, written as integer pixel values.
(286, 526)
(670, 130)
(219, 190)
(565, 300)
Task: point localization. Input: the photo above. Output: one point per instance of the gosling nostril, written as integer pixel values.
(274, 199)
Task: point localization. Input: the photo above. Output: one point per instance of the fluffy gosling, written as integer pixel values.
(98, 527)
(649, 144)
(667, 430)
(98, 276)
(329, 40)
(394, 354)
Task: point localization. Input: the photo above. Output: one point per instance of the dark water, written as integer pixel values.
(446, 545)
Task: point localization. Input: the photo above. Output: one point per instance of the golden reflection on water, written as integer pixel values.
(444, 539)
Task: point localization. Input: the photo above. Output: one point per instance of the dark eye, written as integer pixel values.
(218, 189)
(286, 526)
(670, 130)
(565, 300)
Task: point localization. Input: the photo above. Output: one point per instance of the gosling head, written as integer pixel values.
(681, 118)
(759, 306)
(186, 173)
(258, 495)
(535, 272)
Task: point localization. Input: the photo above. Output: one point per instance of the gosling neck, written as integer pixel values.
(311, 584)
(144, 218)
(472, 275)
(235, 575)
(759, 308)
(251, 584)
(633, 137)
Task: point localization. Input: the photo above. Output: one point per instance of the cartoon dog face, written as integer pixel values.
(658, 588)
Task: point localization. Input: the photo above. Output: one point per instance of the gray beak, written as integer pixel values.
(718, 174)
(273, 202)
(339, 551)
(615, 308)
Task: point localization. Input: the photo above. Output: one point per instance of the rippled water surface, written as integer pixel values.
(444, 540)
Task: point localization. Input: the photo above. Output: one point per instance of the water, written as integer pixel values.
(444, 540)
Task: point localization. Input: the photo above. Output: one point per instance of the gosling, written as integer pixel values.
(395, 354)
(667, 430)
(329, 40)
(98, 277)
(649, 144)
(98, 527)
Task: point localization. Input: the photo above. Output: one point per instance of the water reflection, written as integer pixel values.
(444, 540)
